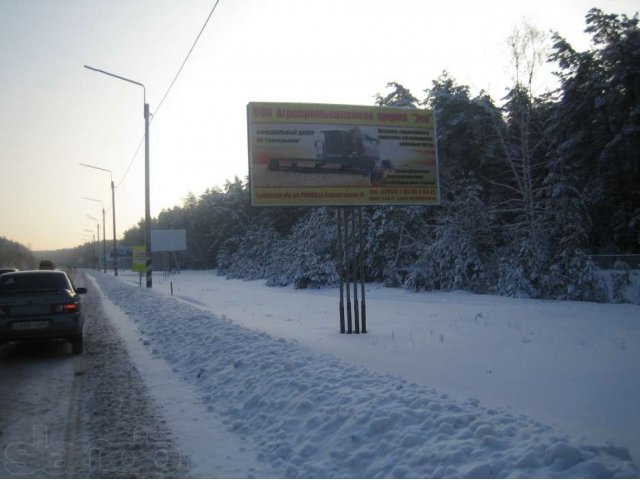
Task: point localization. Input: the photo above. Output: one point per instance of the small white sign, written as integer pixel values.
(168, 240)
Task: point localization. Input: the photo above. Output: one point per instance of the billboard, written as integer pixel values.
(319, 155)
(168, 240)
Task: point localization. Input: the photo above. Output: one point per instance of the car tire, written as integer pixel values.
(76, 345)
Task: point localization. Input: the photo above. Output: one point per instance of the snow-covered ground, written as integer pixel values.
(82, 416)
(444, 384)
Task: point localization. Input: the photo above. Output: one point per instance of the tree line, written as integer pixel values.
(530, 187)
(15, 255)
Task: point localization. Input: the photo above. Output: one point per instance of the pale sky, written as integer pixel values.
(55, 114)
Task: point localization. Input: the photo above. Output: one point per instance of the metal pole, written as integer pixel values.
(346, 269)
(113, 207)
(147, 203)
(104, 241)
(340, 267)
(115, 246)
(147, 208)
(98, 245)
(354, 256)
(90, 247)
(363, 309)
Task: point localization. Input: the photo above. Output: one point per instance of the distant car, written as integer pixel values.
(46, 265)
(39, 304)
(7, 270)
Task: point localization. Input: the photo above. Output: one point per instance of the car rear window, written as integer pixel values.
(33, 282)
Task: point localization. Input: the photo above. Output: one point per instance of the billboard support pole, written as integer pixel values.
(350, 252)
(340, 267)
(346, 268)
(175, 259)
(354, 260)
(363, 309)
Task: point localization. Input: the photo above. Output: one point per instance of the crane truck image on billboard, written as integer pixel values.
(315, 155)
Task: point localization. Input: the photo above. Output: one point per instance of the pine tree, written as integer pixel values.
(460, 252)
(598, 118)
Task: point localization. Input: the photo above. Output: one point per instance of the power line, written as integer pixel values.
(153, 115)
(131, 162)
(186, 58)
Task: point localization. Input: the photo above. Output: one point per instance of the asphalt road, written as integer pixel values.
(81, 416)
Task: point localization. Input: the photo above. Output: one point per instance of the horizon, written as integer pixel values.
(56, 114)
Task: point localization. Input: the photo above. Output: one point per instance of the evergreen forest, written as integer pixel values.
(531, 187)
(15, 255)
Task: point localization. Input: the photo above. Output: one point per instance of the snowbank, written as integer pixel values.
(314, 415)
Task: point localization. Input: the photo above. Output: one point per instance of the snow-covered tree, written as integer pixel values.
(307, 257)
(393, 237)
(460, 254)
(598, 122)
(528, 187)
(400, 96)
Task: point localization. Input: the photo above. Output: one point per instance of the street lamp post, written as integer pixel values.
(147, 202)
(93, 239)
(87, 251)
(98, 236)
(113, 208)
(104, 233)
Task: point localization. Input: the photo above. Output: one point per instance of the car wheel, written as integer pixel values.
(76, 345)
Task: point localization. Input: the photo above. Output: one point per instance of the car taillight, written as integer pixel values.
(64, 307)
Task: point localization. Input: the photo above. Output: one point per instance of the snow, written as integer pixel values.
(444, 384)
(202, 435)
(24, 399)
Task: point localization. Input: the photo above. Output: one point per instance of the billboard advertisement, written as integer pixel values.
(322, 155)
(168, 240)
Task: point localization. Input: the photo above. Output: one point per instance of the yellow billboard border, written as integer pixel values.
(335, 114)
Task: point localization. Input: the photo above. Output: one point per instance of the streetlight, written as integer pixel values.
(104, 233)
(97, 244)
(93, 239)
(87, 250)
(147, 207)
(113, 208)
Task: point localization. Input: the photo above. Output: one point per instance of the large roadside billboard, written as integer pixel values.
(320, 155)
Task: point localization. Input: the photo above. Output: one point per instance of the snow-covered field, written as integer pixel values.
(444, 384)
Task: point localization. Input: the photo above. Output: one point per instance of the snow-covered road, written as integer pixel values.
(83, 416)
(300, 412)
(35, 385)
